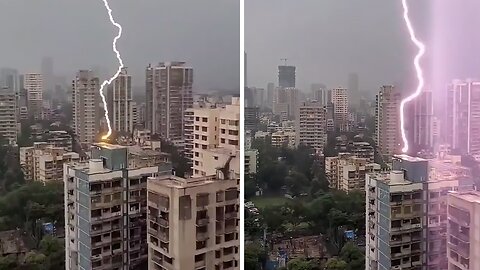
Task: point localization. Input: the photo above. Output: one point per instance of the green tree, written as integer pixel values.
(255, 256)
(8, 262)
(351, 254)
(336, 264)
(302, 264)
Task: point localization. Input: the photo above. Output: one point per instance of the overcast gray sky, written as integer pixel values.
(78, 34)
(328, 39)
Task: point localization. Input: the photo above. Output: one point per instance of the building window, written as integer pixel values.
(223, 121)
(222, 140)
(223, 131)
(204, 138)
(204, 129)
(197, 118)
(205, 119)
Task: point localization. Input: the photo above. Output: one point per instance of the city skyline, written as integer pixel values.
(151, 34)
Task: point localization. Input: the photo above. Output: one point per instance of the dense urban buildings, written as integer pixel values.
(168, 96)
(387, 121)
(86, 112)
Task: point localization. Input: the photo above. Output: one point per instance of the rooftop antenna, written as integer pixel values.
(284, 61)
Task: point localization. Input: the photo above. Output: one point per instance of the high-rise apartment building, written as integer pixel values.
(120, 103)
(47, 74)
(422, 121)
(85, 106)
(463, 116)
(340, 107)
(319, 93)
(270, 94)
(387, 121)
(216, 138)
(286, 76)
(310, 126)
(463, 230)
(396, 222)
(293, 101)
(106, 209)
(33, 84)
(193, 223)
(169, 95)
(8, 115)
(444, 176)
(10, 79)
(251, 118)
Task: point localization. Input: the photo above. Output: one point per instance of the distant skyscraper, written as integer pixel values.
(422, 122)
(340, 106)
(462, 124)
(47, 74)
(168, 95)
(120, 103)
(8, 115)
(270, 94)
(387, 121)
(353, 84)
(286, 76)
(319, 93)
(245, 70)
(310, 126)
(9, 78)
(86, 112)
(293, 100)
(33, 84)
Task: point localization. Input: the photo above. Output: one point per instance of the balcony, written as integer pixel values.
(230, 229)
(202, 236)
(460, 249)
(202, 221)
(230, 215)
(200, 264)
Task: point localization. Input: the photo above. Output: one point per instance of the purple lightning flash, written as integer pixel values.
(418, 70)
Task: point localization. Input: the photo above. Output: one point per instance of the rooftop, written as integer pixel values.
(469, 196)
(409, 158)
(109, 146)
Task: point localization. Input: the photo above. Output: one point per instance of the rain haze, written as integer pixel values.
(327, 40)
(78, 35)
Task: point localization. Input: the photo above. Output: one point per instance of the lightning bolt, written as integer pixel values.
(418, 70)
(120, 61)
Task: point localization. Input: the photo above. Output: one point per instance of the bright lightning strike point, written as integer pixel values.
(418, 70)
(120, 61)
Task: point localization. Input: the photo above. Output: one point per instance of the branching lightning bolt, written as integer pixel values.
(120, 61)
(418, 70)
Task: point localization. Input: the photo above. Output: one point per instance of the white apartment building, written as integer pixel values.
(193, 223)
(340, 106)
(86, 112)
(120, 103)
(8, 115)
(387, 121)
(396, 222)
(44, 162)
(168, 95)
(463, 233)
(251, 161)
(310, 126)
(347, 172)
(216, 137)
(283, 138)
(463, 116)
(33, 84)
